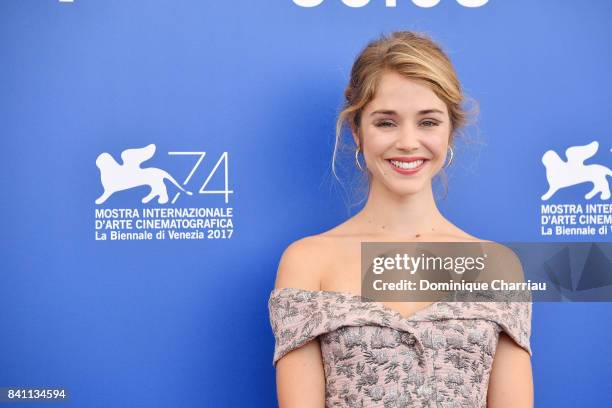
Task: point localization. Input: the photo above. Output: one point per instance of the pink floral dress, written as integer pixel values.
(441, 356)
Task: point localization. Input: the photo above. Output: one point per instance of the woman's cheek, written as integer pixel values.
(437, 147)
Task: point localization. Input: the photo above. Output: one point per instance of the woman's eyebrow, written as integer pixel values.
(428, 111)
(392, 112)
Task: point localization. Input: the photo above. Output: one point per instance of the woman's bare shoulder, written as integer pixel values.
(303, 261)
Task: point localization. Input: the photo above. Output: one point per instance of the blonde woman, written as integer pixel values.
(404, 108)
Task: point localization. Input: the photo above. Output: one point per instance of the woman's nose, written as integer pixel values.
(407, 139)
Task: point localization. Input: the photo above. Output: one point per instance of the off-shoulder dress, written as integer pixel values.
(373, 356)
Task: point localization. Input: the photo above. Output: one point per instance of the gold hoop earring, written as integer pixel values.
(452, 154)
(357, 159)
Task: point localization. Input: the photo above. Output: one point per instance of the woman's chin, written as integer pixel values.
(405, 189)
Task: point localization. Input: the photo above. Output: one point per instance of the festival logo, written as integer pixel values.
(591, 218)
(561, 174)
(150, 221)
(117, 177)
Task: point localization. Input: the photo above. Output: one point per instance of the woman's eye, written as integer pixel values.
(425, 123)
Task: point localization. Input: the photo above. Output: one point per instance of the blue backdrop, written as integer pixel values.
(256, 86)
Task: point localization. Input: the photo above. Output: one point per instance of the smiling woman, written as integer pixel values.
(412, 73)
(404, 107)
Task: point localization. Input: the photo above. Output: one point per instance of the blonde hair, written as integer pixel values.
(413, 55)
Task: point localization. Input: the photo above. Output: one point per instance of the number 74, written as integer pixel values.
(223, 158)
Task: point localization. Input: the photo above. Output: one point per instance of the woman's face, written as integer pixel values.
(405, 131)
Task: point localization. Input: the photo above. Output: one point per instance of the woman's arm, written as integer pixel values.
(300, 378)
(511, 380)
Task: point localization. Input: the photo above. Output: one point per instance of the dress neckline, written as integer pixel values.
(359, 298)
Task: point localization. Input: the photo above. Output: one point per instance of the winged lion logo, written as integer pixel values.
(118, 177)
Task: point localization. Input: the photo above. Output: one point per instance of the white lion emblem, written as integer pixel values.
(568, 173)
(118, 177)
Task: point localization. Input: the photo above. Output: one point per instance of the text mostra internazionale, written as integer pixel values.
(163, 218)
(193, 212)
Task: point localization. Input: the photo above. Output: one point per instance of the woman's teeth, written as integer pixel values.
(407, 165)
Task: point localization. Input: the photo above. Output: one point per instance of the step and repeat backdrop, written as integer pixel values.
(159, 155)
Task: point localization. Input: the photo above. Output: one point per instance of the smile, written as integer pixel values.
(407, 167)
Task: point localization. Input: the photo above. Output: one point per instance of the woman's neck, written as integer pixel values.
(410, 215)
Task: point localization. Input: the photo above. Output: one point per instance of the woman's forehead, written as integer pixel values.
(403, 95)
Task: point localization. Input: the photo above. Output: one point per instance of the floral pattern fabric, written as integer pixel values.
(373, 356)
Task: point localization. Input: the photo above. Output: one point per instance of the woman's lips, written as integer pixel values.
(408, 171)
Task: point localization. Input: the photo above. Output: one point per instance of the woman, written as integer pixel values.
(403, 105)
